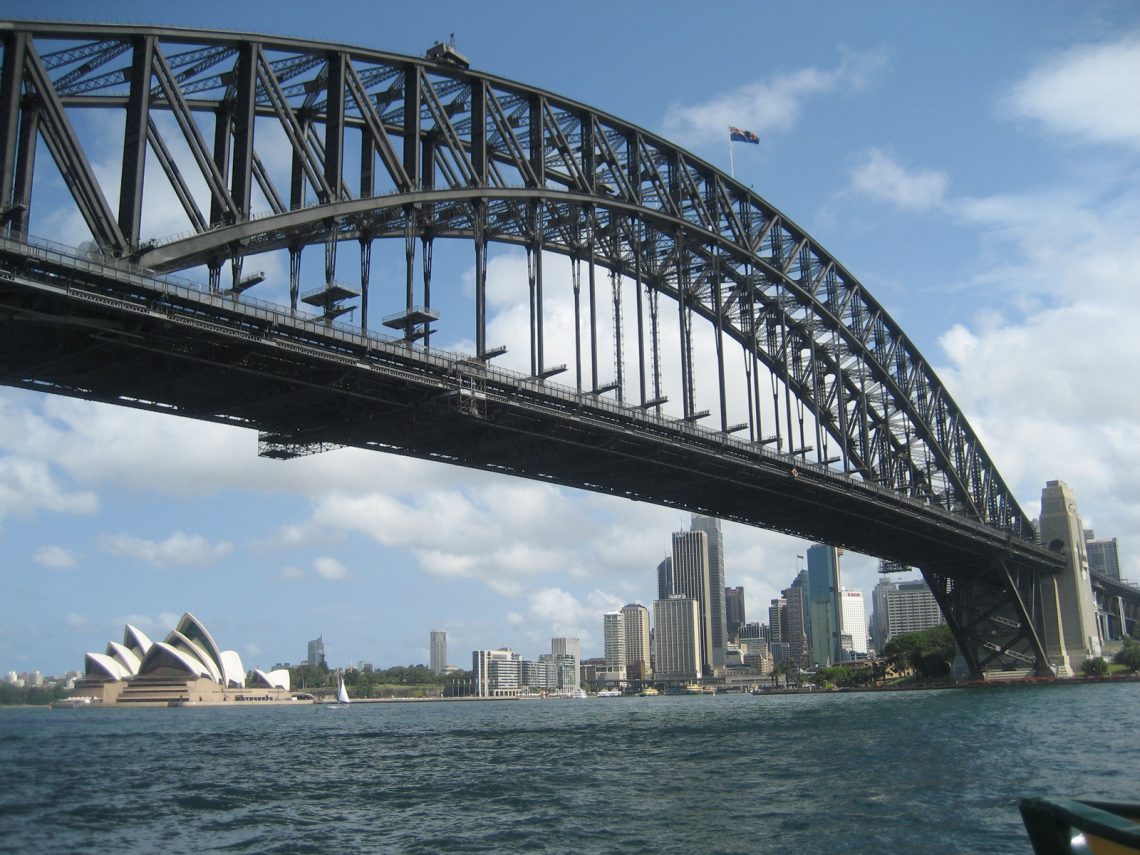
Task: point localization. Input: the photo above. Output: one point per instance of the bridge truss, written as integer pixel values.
(850, 438)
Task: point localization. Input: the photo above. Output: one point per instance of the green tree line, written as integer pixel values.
(397, 681)
(11, 695)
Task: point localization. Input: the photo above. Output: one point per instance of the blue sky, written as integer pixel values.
(975, 165)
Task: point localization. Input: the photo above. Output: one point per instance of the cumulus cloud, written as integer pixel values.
(1045, 368)
(882, 177)
(330, 569)
(1091, 93)
(29, 485)
(564, 610)
(55, 557)
(84, 442)
(774, 103)
(178, 549)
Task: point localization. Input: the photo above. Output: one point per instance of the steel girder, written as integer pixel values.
(455, 147)
(449, 152)
(1118, 606)
(77, 325)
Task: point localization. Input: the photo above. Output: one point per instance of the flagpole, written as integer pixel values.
(731, 168)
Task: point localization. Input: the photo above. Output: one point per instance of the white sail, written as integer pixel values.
(342, 692)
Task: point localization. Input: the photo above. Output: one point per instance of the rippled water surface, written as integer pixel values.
(928, 772)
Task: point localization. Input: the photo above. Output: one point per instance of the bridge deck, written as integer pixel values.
(100, 332)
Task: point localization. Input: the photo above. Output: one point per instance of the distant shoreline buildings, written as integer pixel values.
(688, 635)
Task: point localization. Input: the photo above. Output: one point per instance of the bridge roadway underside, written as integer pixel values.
(97, 335)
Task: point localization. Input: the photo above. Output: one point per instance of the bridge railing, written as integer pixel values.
(449, 363)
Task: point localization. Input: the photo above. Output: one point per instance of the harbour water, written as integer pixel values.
(931, 771)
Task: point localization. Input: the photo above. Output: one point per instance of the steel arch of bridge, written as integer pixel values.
(445, 151)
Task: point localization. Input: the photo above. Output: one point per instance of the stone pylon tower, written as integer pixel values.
(1069, 632)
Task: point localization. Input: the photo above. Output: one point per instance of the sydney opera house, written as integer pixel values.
(187, 667)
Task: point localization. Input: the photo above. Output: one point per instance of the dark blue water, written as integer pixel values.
(890, 772)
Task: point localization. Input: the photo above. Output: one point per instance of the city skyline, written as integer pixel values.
(943, 187)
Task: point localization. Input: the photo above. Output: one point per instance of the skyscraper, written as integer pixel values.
(733, 611)
(438, 651)
(902, 607)
(853, 621)
(691, 579)
(637, 656)
(665, 579)
(316, 653)
(711, 527)
(776, 620)
(569, 647)
(1104, 557)
(614, 633)
(676, 634)
(823, 612)
(794, 621)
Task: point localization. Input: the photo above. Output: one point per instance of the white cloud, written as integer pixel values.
(330, 569)
(766, 105)
(156, 627)
(1045, 371)
(561, 613)
(882, 177)
(179, 548)
(1091, 92)
(55, 557)
(29, 485)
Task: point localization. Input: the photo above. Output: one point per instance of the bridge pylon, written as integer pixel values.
(1068, 619)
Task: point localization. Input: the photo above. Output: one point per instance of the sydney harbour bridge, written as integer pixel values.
(721, 360)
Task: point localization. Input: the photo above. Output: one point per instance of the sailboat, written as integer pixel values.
(342, 699)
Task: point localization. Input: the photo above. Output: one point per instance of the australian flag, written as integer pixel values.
(738, 135)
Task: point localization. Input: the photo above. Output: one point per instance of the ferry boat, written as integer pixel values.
(609, 693)
(694, 689)
(76, 702)
(649, 692)
(1063, 826)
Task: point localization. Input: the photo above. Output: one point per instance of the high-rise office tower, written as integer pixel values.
(316, 651)
(665, 579)
(677, 637)
(711, 527)
(691, 579)
(794, 620)
(1104, 557)
(776, 620)
(637, 656)
(853, 621)
(613, 628)
(569, 647)
(733, 611)
(902, 607)
(438, 651)
(823, 612)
